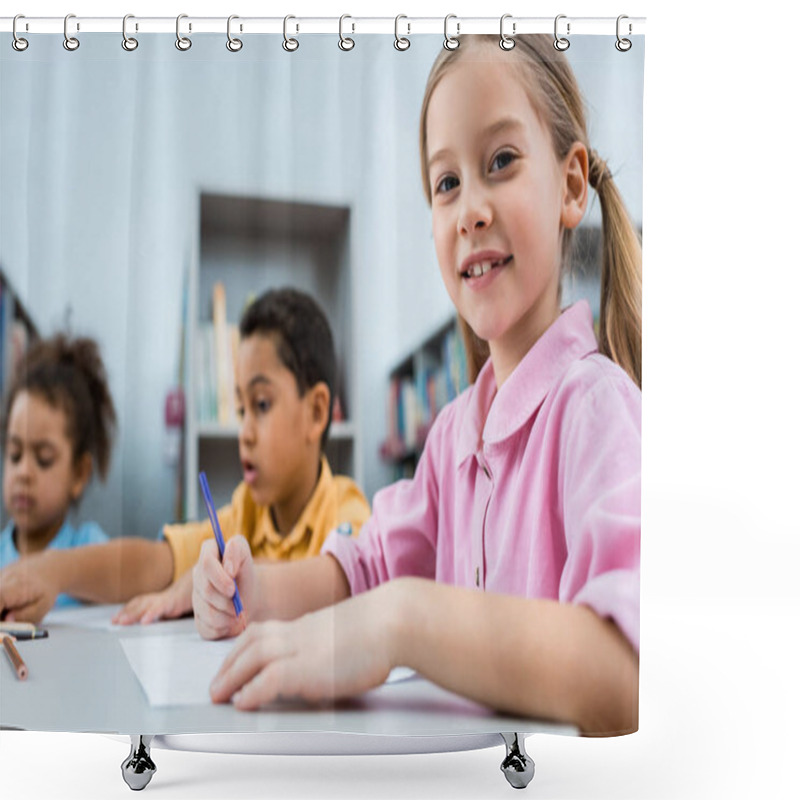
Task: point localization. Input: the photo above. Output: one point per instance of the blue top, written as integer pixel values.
(68, 536)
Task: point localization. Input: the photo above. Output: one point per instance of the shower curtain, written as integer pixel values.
(141, 181)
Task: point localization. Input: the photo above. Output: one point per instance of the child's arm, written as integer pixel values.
(102, 573)
(530, 657)
(533, 658)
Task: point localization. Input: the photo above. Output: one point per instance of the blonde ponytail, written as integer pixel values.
(620, 335)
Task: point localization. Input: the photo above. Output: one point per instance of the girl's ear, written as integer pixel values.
(80, 476)
(576, 185)
(318, 398)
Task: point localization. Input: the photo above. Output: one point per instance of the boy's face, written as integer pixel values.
(279, 443)
(40, 480)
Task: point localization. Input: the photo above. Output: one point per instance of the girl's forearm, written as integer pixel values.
(290, 589)
(113, 572)
(536, 658)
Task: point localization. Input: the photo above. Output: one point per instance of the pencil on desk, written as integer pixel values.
(16, 659)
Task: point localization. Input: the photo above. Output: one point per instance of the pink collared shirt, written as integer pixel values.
(532, 490)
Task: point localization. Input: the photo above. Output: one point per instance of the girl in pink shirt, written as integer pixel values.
(507, 569)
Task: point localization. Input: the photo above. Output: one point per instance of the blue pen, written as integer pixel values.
(212, 514)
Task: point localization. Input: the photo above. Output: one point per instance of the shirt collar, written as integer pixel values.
(493, 415)
(311, 514)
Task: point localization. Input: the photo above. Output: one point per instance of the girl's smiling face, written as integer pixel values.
(499, 200)
(40, 477)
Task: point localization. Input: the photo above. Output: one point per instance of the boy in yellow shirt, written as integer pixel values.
(285, 506)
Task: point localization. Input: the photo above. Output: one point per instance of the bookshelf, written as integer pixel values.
(17, 330)
(248, 245)
(432, 375)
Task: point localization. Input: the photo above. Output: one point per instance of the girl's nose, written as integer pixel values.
(24, 467)
(475, 211)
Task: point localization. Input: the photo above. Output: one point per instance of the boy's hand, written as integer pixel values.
(212, 595)
(338, 651)
(27, 590)
(172, 602)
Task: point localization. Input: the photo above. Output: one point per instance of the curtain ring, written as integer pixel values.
(18, 43)
(345, 42)
(559, 42)
(400, 42)
(128, 42)
(451, 42)
(623, 45)
(233, 44)
(70, 42)
(289, 45)
(182, 42)
(507, 42)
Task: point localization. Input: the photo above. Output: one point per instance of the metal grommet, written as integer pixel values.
(18, 43)
(345, 42)
(400, 42)
(559, 42)
(183, 43)
(128, 42)
(451, 42)
(233, 44)
(506, 42)
(623, 45)
(70, 42)
(290, 45)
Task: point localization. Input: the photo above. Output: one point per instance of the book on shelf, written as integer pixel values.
(15, 335)
(418, 394)
(216, 346)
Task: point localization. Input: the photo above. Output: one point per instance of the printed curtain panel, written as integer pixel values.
(386, 301)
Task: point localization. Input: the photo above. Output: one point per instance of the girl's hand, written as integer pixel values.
(172, 602)
(339, 651)
(27, 590)
(212, 595)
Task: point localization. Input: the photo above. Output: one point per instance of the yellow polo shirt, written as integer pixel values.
(336, 502)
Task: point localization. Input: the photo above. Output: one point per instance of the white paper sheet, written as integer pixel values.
(160, 666)
(87, 616)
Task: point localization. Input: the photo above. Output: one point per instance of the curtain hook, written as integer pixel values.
(182, 42)
(233, 44)
(451, 42)
(128, 42)
(507, 42)
(346, 43)
(290, 45)
(400, 42)
(559, 42)
(18, 43)
(70, 42)
(623, 45)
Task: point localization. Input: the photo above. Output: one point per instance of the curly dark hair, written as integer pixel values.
(305, 342)
(69, 374)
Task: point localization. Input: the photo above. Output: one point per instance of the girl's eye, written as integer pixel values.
(446, 184)
(262, 406)
(44, 463)
(15, 456)
(501, 160)
(240, 413)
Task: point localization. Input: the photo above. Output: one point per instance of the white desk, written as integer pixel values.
(80, 680)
